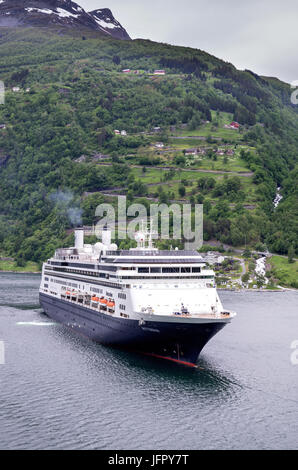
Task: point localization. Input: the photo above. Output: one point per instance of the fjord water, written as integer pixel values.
(61, 391)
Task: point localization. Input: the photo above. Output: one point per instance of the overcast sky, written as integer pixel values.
(260, 35)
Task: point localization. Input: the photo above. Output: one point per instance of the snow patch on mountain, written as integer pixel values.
(105, 24)
(65, 14)
(40, 10)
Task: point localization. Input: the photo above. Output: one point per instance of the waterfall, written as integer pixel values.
(260, 269)
(278, 198)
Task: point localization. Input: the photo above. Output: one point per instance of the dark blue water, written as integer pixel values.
(59, 391)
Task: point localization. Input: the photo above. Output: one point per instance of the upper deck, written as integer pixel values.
(142, 264)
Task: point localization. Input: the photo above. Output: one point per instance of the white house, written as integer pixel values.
(191, 152)
(116, 132)
(16, 89)
(123, 133)
(159, 145)
(159, 72)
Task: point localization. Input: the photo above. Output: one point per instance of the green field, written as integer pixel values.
(215, 128)
(285, 272)
(155, 175)
(9, 265)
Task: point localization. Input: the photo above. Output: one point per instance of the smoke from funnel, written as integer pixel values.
(66, 204)
(75, 216)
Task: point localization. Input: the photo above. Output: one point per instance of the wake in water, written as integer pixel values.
(35, 323)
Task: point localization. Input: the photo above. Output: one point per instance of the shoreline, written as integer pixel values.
(20, 272)
(278, 290)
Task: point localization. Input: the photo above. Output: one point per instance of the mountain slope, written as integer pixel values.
(78, 95)
(64, 13)
(106, 21)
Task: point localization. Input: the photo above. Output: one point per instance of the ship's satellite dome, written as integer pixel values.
(139, 237)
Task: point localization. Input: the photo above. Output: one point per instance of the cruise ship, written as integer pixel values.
(156, 302)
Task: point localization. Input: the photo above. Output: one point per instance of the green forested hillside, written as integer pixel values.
(73, 95)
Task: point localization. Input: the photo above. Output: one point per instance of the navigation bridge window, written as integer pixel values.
(155, 270)
(177, 270)
(185, 270)
(143, 270)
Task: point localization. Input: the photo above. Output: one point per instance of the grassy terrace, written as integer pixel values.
(285, 272)
(154, 179)
(155, 175)
(215, 128)
(210, 130)
(167, 157)
(11, 265)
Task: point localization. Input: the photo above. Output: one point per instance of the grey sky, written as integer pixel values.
(260, 35)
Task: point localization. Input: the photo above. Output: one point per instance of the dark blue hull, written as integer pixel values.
(177, 342)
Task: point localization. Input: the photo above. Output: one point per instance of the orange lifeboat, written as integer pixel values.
(103, 301)
(95, 299)
(111, 303)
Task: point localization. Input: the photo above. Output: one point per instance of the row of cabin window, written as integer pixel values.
(193, 278)
(95, 290)
(64, 283)
(110, 284)
(169, 270)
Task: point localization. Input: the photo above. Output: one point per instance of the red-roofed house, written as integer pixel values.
(234, 125)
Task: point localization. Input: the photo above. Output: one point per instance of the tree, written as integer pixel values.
(182, 190)
(116, 59)
(291, 254)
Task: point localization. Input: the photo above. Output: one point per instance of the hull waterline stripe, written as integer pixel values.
(177, 361)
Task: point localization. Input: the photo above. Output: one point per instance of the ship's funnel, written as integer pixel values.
(79, 239)
(106, 236)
